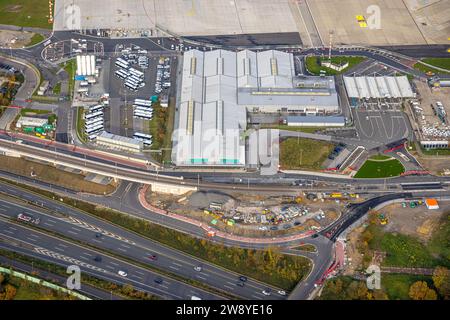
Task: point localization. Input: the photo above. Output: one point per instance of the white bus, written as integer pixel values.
(92, 137)
(142, 108)
(120, 60)
(137, 73)
(134, 78)
(132, 81)
(122, 65)
(142, 102)
(143, 111)
(144, 116)
(131, 86)
(89, 116)
(96, 108)
(94, 129)
(142, 135)
(93, 123)
(121, 74)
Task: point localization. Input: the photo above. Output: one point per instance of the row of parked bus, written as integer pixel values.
(133, 78)
(142, 109)
(147, 139)
(94, 121)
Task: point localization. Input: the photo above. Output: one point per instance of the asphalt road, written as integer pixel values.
(22, 239)
(112, 167)
(84, 228)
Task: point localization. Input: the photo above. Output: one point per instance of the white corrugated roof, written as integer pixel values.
(378, 87)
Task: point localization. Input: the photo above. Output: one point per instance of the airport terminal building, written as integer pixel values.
(220, 87)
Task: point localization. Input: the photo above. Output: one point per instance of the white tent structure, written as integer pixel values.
(365, 87)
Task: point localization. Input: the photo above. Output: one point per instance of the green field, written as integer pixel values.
(25, 13)
(314, 67)
(443, 63)
(393, 287)
(57, 89)
(70, 67)
(380, 169)
(37, 37)
(397, 285)
(304, 153)
(407, 251)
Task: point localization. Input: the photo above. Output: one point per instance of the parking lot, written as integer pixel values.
(157, 71)
(379, 126)
(425, 113)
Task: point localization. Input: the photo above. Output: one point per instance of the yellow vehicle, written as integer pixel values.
(361, 21)
(336, 195)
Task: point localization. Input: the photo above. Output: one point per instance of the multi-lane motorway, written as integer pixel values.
(86, 229)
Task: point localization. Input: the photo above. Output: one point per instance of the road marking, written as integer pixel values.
(59, 249)
(256, 297)
(31, 239)
(115, 264)
(76, 229)
(228, 287)
(121, 249)
(48, 224)
(199, 276)
(62, 245)
(34, 235)
(109, 267)
(141, 273)
(177, 264)
(8, 231)
(124, 245)
(12, 228)
(87, 254)
(174, 268)
(72, 232)
(135, 276)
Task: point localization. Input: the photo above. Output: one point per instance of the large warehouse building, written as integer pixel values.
(218, 89)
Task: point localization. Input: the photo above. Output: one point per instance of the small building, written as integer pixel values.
(164, 101)
(120, 143)
(432, 204)
(315, 121)
(31, 122)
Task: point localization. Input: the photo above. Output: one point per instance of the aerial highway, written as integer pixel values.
(19, 238)
(84, 228)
